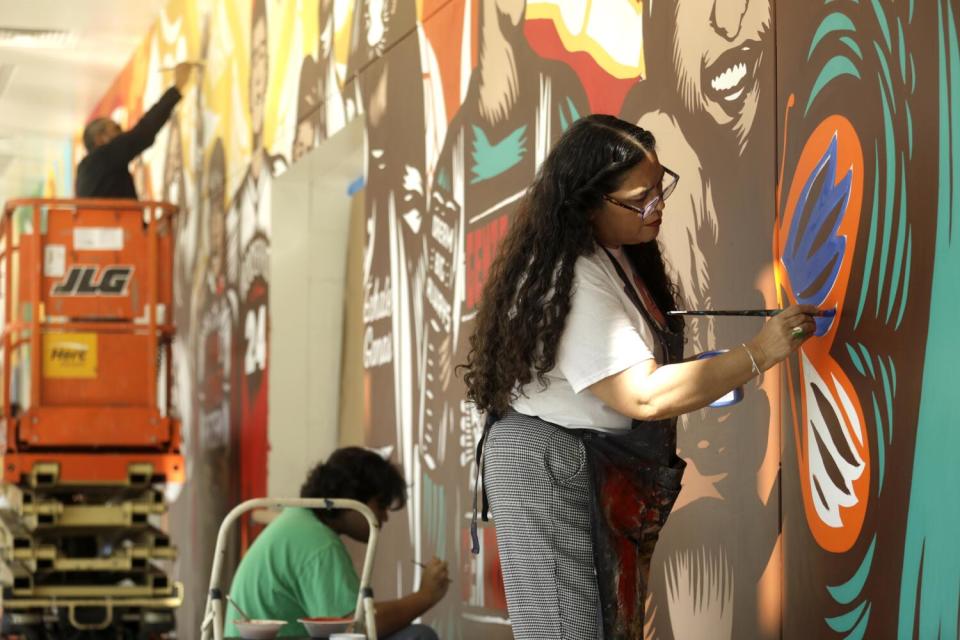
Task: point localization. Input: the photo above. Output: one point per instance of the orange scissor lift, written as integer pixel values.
(89, 432)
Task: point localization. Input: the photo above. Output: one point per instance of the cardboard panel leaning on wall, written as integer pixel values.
(308, 262)
(288, 426)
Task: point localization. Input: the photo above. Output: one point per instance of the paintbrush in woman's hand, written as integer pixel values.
(825, 313)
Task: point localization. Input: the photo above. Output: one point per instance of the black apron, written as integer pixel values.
(635, 480)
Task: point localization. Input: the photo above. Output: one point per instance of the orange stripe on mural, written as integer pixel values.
(443, 23)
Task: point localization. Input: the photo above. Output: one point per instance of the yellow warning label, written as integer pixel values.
(70, 355)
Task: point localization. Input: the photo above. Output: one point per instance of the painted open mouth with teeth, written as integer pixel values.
(728, 80)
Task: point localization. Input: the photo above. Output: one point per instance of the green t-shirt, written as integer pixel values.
(296, 568)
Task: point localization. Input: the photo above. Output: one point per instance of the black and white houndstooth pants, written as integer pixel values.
(538, 482)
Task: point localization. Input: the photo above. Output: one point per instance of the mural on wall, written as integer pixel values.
(810, 173)
(515, 107)
(708, 98)
(232, 133)
(866, 198)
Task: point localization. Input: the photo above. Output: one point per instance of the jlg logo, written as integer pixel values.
(82, 281)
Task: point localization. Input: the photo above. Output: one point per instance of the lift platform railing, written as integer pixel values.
(87, 288)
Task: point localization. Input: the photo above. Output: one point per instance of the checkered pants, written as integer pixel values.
(538, 482)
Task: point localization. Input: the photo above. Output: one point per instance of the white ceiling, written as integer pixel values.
(51, 90)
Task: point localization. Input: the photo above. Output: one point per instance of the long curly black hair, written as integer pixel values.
(526, 299)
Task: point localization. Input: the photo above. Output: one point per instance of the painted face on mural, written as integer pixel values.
(309, 108)
(303, 142)
(326, 27)
(258, 74)
(217, 215)
(717, 51)
(377, 19)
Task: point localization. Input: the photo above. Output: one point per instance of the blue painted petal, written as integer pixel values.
(814, 250)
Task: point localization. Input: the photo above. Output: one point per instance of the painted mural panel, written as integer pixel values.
(530, 81)
(515, 106)
(815, 166)
(865, 204)
(708, 98)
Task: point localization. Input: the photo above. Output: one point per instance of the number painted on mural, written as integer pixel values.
(255, 333)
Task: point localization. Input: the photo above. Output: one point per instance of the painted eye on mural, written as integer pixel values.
(815, 244)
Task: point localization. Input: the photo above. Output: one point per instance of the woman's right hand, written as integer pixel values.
(777, 339)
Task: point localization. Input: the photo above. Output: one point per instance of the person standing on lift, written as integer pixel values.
(104, 172)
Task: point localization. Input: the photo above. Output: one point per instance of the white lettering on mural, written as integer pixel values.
(440, 304)
(439, 266)
(376, 350)
(442, 233)
(377, 300)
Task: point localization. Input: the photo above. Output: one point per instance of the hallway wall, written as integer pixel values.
(815, 144)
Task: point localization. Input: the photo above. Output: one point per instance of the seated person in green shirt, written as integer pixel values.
(299, 568)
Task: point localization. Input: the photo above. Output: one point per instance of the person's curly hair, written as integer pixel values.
(356, 474)
(526, 299)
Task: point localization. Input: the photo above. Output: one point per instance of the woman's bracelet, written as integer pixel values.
(753, 362)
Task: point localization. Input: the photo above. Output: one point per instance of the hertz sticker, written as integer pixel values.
(70, 355)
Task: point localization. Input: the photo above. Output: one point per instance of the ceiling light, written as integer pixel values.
(35, 38)
(6, 72)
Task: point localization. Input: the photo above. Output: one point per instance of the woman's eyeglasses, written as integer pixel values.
(666, 186)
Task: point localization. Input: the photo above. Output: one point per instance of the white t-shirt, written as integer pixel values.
(604, 335)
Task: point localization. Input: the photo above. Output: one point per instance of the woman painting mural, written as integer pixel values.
(582, 375)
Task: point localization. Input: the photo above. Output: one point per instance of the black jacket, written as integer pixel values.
(104, 173)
